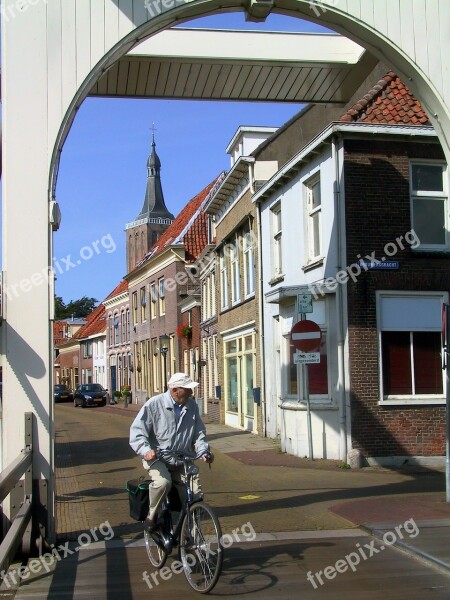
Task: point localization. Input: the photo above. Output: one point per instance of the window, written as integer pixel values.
(211, 229)
(429, 204)
(111, 331)
(223, 282)
(212, 293)
(313, 210)
(410, 347)
(153, 298)
(87, 347)
(204, 300)
(143, 299)
(249, 265)
(277, 262)
(116, 329)
(123, 327)
(235, 274)
(135, 308)
(162, 298)
(155, 364)
(128, 324)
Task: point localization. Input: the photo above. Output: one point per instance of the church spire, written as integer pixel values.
(154, 206)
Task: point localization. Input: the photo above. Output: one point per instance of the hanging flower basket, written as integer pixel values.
(184, 331)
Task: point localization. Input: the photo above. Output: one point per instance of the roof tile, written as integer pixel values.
(95, 323)
(389, 101)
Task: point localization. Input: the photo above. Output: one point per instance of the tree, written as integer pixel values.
(75, 308)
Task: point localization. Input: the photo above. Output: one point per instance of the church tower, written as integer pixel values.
(154, 217)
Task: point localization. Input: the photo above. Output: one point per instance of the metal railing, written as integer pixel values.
(21, 510)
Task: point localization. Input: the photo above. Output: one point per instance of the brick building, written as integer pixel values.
(237, 294)
(118, 335)
(158, 286)
(358, 218)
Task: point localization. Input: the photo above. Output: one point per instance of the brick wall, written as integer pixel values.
(378, 212)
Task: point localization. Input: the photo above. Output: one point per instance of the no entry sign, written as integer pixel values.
(306, 336)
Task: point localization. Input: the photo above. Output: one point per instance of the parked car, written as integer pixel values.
(62, 393)
(90, 394)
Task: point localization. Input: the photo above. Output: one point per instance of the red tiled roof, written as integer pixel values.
(188, 228)
(121, 287)
(58, 332)
(389, 102)
(95, 323)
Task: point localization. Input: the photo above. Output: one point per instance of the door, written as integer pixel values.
(113, 378)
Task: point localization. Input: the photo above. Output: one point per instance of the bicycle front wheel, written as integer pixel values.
(201, 550)
(155, 548)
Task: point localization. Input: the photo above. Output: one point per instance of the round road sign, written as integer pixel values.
(306, 336)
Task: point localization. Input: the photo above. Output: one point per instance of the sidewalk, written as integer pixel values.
(403, 507)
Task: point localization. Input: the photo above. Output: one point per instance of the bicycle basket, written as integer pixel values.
(138, 498)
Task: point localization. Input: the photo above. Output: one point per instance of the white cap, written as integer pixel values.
(181, 380)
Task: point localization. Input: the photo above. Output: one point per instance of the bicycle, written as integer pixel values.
(197, 533)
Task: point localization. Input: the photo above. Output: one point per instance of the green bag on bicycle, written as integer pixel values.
(138, 498)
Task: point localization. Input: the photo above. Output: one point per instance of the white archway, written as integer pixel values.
(52, 54)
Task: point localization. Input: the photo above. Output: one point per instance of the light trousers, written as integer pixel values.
(162, 477)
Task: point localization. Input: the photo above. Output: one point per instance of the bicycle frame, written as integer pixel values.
(197, 531)
(166, 536)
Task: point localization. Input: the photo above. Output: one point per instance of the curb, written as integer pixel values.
(412, 551)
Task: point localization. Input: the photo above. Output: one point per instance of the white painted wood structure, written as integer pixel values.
(237, 65)
(54, 53)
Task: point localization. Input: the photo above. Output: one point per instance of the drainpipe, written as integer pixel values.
(340, 241)
(260, 303)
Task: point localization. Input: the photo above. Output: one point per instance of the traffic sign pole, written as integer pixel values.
(305, 381)
(306, 337)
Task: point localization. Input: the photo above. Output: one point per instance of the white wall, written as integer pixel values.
(289, 423)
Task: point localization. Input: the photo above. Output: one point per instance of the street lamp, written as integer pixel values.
(164, 349)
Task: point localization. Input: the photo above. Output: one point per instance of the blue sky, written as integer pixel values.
(103, 175)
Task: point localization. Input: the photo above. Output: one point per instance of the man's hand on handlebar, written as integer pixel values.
(150, 455)
(208, 457)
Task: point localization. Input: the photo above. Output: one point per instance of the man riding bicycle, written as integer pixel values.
(169, 421)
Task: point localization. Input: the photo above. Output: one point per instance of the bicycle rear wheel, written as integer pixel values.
(201, 550)
(155, 548)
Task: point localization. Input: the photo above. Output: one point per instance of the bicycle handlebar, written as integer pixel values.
(181, 457)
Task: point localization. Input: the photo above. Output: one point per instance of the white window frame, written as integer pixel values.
(311, 214)
(223, 282)
(277, 240)
(143, 302)
(213, 293)
(418, 399)
(429, 195)
(153, 300)
(162, 297)
(249, 264)
(235, 273)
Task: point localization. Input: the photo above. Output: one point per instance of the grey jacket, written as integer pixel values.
(155, 426)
